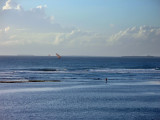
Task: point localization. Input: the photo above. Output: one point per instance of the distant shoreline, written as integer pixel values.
(140, 56)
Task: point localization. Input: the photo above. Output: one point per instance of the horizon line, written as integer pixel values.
(84, 55)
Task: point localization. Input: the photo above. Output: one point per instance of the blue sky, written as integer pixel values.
(77, 27)
(87, 13)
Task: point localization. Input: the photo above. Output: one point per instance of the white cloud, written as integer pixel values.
(7, 29)
(142, 33)
(35, 27)
(141, 40)
(4, 34)
(11, 5)
(41, 6)
(79, 38)
(34, 19)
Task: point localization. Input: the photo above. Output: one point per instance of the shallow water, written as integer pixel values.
(132, 91)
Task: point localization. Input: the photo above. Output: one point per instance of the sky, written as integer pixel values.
(80, 27)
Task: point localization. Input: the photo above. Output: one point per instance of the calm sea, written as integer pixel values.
(132, 91)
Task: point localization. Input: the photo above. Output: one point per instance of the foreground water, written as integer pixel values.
(132, 91)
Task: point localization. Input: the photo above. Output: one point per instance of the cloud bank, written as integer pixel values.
(11, 5)
(144, 40)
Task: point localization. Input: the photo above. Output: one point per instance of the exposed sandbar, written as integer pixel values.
(26, 81)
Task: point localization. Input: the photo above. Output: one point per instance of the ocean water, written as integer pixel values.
(132, 91)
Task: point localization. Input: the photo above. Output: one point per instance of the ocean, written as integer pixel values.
(131, 92)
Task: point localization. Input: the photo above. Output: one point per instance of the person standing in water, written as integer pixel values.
(106, 80)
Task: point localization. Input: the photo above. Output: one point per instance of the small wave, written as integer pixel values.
(44, 69)
(108, 70)
(69, 78)
(158, 68)
(35, 69)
